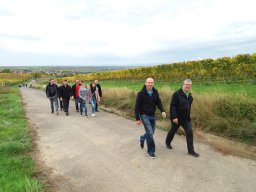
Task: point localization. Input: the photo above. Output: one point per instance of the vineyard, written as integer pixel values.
(235, 69)
(12, 78)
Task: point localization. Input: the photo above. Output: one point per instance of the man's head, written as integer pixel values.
(65, 82)
(52, 81)
(96, 81)
(149, 83)
(187, 83)
(77, 81)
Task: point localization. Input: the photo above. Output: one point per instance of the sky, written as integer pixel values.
(117, 32)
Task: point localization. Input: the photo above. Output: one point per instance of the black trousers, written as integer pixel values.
(187, 126)
(65, 104)
(61, 104)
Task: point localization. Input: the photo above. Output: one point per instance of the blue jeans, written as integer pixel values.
(149, 123)
(83, 105)
(55, 101)
(93, 102)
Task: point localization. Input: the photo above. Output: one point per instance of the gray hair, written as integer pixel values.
(149, 79)
(187, 81)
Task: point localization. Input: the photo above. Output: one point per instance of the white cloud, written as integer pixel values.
(123, 28)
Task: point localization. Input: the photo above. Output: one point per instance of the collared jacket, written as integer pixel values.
(180, 106)
(146, 105)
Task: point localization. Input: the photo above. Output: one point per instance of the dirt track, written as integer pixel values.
(103, 154)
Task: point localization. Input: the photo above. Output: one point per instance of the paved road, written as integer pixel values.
(103, 154)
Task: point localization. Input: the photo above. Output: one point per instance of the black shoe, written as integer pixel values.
(67, 113)
(151, 156)
(141, 144)
(60, 109)
(97, 110)
(168, 146)
(194, 154)
(77, 110)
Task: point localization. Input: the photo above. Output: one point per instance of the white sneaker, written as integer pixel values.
(93, 114)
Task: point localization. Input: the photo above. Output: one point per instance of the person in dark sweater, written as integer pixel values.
(100, 93)
(146, 102)
(180, 107)
(61, 102)
(75, 93)
(52, 93)
(65, 94)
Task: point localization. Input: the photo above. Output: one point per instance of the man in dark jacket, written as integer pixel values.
(146, 102)
(65, 94)
(99, 91)
(75, 92)
(52, 93)
(180, 116)
(61, 102)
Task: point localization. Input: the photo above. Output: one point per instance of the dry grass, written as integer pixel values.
(206, 111)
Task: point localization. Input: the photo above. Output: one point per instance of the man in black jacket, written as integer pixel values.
(99, 91)
(180, 116)
(65, 94)
(75, 90)
(52, 93)
(146, 102)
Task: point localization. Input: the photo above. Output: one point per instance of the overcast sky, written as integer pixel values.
(129, 32)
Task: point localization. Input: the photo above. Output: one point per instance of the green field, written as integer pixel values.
(247, 89)
(16, 165)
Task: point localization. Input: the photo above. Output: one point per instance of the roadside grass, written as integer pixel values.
(16, 165)
(231, 115)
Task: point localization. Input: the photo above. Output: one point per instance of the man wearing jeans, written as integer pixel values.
(146, 102)
(52, 94)
(180, 116)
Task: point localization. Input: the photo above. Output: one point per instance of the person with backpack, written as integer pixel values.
(75, 89)
(145, 107)
(52, 94)
(93, 97)
(65, 94)
(83, 98)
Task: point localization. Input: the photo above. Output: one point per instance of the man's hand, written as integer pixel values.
(175, 121)
(61, 99)
(163, 114)
(72, 97)
(138, 122)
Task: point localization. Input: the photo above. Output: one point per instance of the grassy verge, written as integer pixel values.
(16, 165)
(224, 113)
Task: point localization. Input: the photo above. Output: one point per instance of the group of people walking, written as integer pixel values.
(81, 94)
(146, 102)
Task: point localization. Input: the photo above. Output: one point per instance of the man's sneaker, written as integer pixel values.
(194, 154)
(97, 110)
(151, 156)
(57, 112)
(77, 110)
(52, 112)
(60, 109)
(67, 113)
(141, 144)
(93, 115)
(168, 146)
